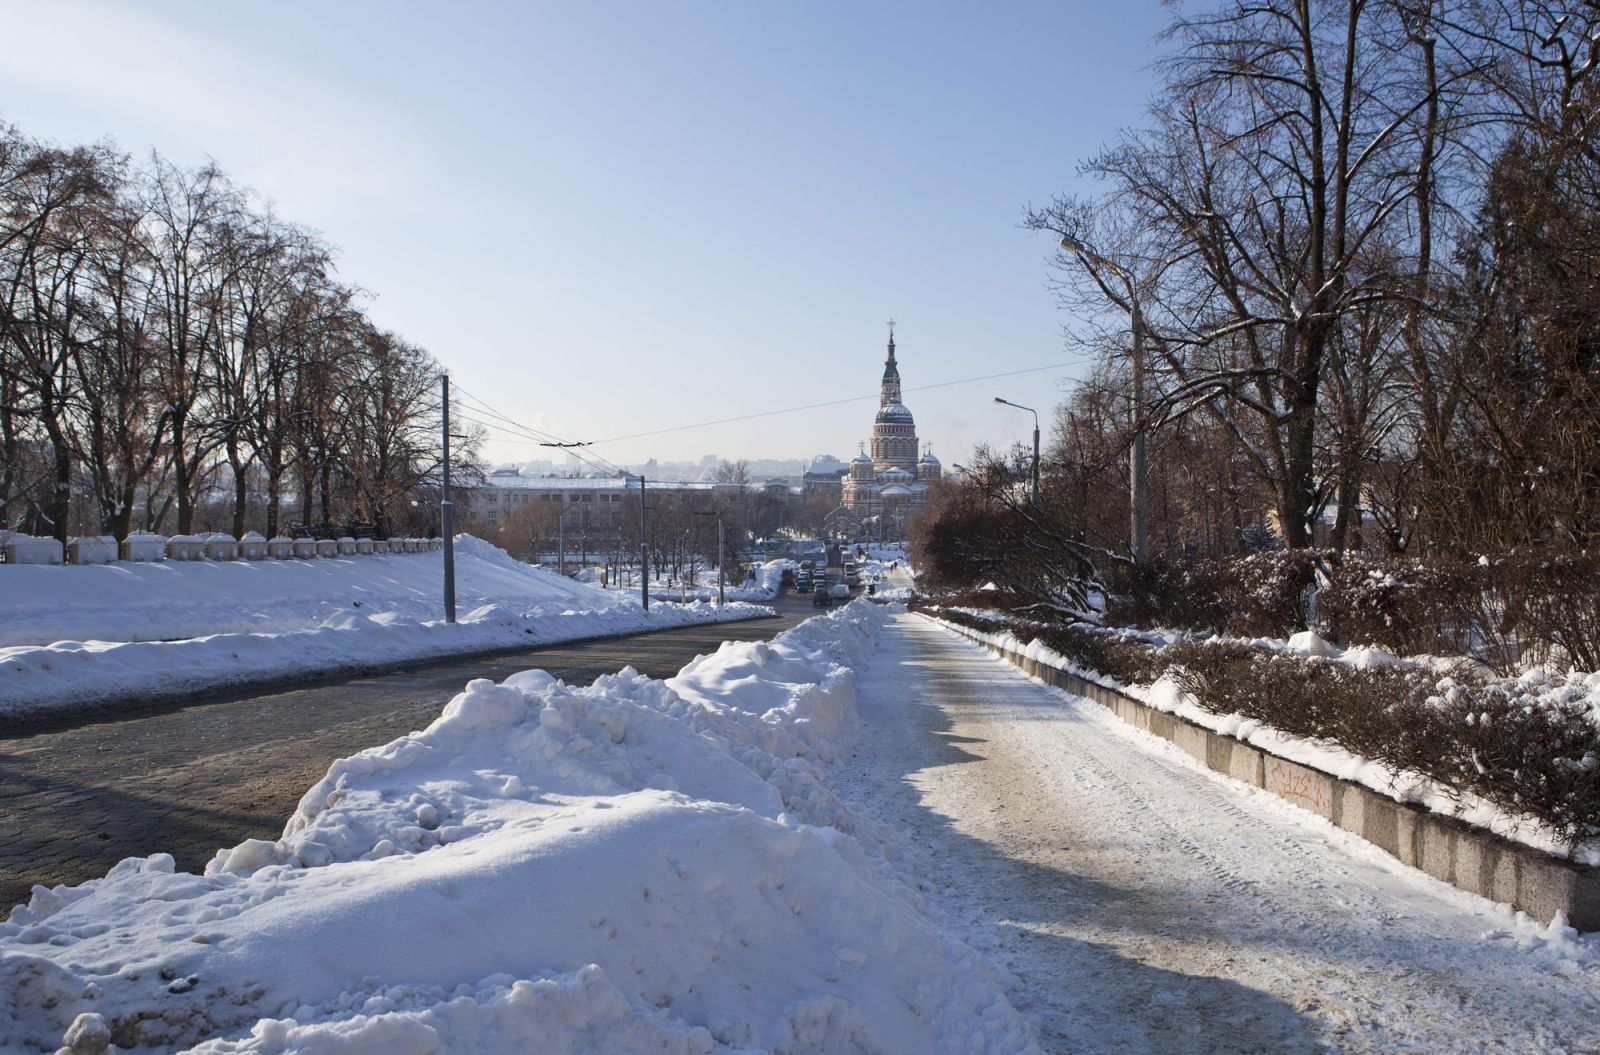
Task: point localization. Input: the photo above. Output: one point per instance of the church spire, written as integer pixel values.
(890, 390)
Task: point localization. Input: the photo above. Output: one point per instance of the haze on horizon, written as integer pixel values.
(616, 219)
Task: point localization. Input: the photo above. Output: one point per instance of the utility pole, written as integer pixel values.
(1138, 496)
(447, 516)
(644, 551)
(1136, 459)
(561, 537)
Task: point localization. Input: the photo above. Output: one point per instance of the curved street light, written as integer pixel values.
(1033, 492)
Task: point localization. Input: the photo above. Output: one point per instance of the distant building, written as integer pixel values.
(883, 489)
(824, 476)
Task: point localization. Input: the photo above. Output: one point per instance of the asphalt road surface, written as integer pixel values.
(80, 793)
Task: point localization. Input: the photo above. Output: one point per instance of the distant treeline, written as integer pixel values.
(1363, 240)
(175, 357)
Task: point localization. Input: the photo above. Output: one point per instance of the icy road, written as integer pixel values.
(1142, 903)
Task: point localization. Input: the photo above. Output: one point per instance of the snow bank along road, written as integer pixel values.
(1142, 903)
(78, 793)
(626, 867)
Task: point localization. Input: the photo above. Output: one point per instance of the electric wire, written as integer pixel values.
(540, 436)
(586, 454)
(828, 403)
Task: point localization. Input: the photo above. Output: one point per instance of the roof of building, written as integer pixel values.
(895, 490)
(897, 473)
(897, 412)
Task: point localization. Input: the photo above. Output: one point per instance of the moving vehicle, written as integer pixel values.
(852, 573)
(841, 592)
(821, 598)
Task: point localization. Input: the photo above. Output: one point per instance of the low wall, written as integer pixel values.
(1460, 854)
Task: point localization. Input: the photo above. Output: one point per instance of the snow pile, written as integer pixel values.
(81, 635)
(632, 866)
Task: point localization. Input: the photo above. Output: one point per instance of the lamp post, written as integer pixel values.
(1138, 497)
(721, 578)
(447, 508)
(1033, 491)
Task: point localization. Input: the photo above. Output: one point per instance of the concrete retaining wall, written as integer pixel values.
(1447, 849)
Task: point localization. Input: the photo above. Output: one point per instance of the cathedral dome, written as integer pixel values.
(895, 413)
(928, 459)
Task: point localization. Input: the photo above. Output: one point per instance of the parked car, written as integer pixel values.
(820, 598)
(852, 573)
(841, 592)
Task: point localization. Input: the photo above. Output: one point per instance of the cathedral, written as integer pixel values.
(884, 488)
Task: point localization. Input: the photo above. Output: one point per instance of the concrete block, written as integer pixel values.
(1408, 852)
(380, 545)
(280, 547)
(1585, 914)
(364, 546)
(1245, 763)
(327, 547)
(1300, 785)
(305, 547)
(222, 547)
(144, 546)
(186, 547)
(1193, 740)
(436, 543)
(1436, 848)
(1161, 723)
(1502, 881)
(1476, 857)
(29, 549)
(347, 546)
(91, 549)
(1547, 886)
(253, 546)
(1377, 820)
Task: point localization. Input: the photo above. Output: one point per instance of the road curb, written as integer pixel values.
(1466, 857)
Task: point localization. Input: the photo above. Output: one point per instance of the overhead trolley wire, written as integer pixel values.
(586, 454)
(827, 403)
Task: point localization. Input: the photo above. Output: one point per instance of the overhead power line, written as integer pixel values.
(827, 403)
(582, 450)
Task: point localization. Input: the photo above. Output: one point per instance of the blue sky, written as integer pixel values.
(610, 218)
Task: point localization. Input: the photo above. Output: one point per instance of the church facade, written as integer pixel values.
(888, 483)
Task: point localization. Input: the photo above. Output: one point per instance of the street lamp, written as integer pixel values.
(1034, 490)
(721, 578)
(1138, 498)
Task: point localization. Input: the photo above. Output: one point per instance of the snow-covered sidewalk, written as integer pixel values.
(1140, 902)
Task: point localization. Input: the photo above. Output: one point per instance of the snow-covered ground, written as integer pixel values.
(790, 847)
(73, 635)
(1135, 901)
(627, 867)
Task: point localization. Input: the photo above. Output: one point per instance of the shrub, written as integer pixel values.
(1256, 595)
